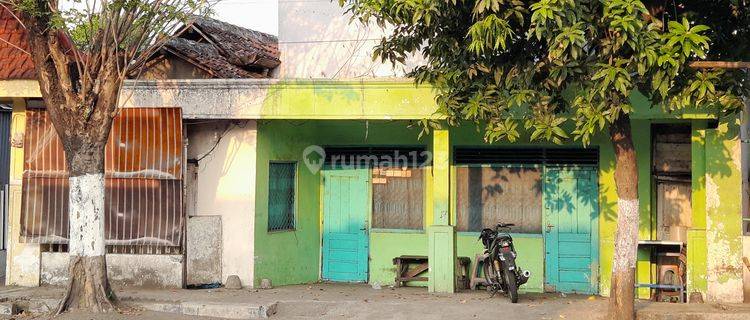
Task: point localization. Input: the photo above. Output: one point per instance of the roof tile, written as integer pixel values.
(243, 47)
(14, 63)
(227, 51)
(208, 57)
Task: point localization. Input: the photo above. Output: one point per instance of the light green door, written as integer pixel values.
(345, 211)
(571, 235)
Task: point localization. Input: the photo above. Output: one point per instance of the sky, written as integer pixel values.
(259, 15)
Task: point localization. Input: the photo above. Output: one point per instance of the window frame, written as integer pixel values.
(295, 187)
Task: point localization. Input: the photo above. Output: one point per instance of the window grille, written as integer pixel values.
(281, 195)
(143, 180)
(487, 195)
(397, 198)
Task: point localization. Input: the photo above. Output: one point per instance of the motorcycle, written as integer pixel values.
(500, 270)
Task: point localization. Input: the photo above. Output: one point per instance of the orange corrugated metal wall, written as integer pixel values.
(143, 170)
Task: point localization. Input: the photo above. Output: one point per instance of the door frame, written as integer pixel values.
(321, 218)
(594, 225)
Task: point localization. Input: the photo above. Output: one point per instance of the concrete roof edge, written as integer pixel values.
(261, 83)
(25, 88)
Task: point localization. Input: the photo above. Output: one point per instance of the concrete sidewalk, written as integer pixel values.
(355, 301)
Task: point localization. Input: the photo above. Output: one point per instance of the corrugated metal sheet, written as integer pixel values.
(143, 170)
(553, 156)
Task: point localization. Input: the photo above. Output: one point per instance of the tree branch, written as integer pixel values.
(720, 64)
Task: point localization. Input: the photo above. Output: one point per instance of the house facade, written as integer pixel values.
(318, 173)
(151, 161)
(18, 88)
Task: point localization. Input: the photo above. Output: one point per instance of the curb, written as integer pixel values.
(691, 316)
(189, 308)
(210, 309)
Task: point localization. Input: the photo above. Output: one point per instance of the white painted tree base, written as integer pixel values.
(86, 209)
(626, 238)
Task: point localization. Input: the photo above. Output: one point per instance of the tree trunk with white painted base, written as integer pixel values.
(81, 111)
(89, 287)
(622, 291)
(80, 80)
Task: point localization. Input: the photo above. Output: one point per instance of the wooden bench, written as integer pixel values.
(405, 274)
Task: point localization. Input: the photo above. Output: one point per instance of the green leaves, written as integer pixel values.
(570, 40)
(489, 34)
(686, 39)
(498, 130)
(563, 68)
(547, 127)
(612, 75)
(426, 126)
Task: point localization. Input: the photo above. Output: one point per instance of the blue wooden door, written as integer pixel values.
(345, 211)
(571, 232)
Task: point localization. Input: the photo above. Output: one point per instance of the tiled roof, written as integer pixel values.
(242, 47)
(225, 50)
(14, 63)
(207, 57)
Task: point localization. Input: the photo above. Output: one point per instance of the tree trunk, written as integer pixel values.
(622, 292)
(81, 109)
(88, 287)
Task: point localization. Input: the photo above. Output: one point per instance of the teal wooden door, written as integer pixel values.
(345, 211)
(571, 232)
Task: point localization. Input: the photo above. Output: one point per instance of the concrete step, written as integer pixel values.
(672, 311)
(34, 306)
(230, 310)
(692, 316)
(222, 310)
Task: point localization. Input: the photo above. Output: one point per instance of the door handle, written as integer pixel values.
(363, 229)
(549, 228)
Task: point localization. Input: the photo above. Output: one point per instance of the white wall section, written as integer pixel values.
(225, 187)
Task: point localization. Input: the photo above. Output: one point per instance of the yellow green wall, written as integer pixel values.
(723, 213)
(299, 251)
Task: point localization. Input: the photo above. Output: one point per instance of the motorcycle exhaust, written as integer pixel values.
(525, 275)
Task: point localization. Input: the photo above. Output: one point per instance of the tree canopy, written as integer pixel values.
(563, 69)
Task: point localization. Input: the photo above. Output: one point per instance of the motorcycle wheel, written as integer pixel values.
(488, 274)
(511, 284)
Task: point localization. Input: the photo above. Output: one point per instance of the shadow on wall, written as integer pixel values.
(720, 161)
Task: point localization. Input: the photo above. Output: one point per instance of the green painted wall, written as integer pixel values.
(723, 213)
(286, 257)
(696, 264)
(530, 250)
(387, 245)
(348, 99)
(467, 135)
(289, 257)
(384, 246)
(381, 99)
(279, 254)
